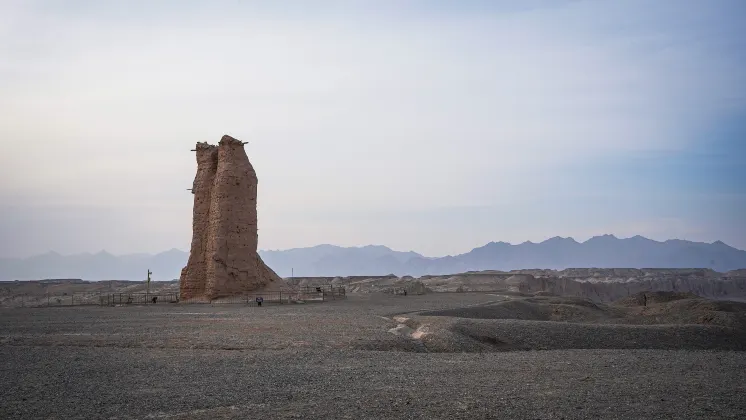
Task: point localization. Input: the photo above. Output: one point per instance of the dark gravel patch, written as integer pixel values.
(534, 335)
(301, 361)
(86, 383)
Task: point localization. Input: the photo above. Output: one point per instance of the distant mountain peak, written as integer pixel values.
(605, 237)
(321, 246)
(721, 244)
(560, 239)
(604, 251)
(170, 251)
(677, 241)
(493, 244)
(378, 247)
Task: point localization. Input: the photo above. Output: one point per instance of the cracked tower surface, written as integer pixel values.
(223, 260)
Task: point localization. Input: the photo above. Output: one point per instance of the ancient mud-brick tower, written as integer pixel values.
(223, 260)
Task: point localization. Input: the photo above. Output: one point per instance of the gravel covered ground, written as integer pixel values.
(317, 361)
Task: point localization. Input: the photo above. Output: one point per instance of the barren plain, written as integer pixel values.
(596, 284)
(380, 356)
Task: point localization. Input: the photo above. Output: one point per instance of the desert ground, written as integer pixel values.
(465, 355)
(596, 284)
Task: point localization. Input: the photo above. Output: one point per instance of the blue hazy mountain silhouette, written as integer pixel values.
(606, 251)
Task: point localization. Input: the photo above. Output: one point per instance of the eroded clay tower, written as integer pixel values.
(223, 260)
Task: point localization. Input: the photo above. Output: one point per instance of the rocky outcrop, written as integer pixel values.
(601, 285)
(223, 260)
(598, 289)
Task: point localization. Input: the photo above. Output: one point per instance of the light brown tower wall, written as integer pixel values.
(267, 276)
(232, 230)
(223, 259)
(193, 276)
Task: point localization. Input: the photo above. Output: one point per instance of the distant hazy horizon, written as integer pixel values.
(326, 260)
(464, 251)
(431, 126)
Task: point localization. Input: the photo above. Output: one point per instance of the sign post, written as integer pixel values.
(147, 291)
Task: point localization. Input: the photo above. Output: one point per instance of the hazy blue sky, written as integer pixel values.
(435, 126)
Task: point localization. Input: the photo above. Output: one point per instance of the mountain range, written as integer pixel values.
(606, 251)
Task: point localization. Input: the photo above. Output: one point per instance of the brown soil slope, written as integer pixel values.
(668, 321)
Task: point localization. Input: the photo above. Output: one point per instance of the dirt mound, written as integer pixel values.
(503, 310)
(691, 311)
(663, 308)
(671, 321)
(643, 298)
(682, 308)
(459, 335)
(533, 309)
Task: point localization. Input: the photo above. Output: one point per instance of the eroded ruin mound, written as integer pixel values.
(223, 260)
(645, 298)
